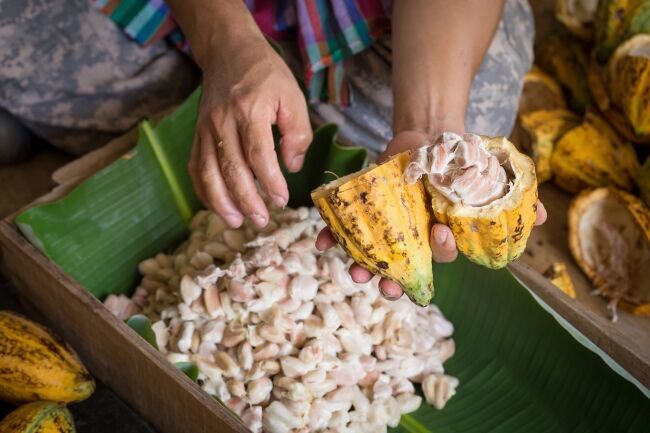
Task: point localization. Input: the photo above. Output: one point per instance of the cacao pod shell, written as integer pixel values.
(609, 237)
(38, 417)
(36, 365)
(495, 234)
(383, 223)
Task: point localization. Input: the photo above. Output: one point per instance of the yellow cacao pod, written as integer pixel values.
(38, 417)
(559, 276)
(577, 16)
(540, 92)
(629, 82)
(383, 224)
(36, 365)
(566, 60)
(592, 155)
(617, 21)
(543, 129)
(609, 237)
(494, 234)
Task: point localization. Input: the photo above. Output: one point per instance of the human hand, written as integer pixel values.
(441, 239)
(246, 89)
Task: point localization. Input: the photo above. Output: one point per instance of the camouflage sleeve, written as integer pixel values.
(75, 79)
(493, 100)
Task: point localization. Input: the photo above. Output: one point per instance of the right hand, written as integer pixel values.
(247, 89)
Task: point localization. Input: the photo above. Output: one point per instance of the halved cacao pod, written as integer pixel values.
(542, 130)
(616, 21)
(628, 73)
(558, 275)
(383, 223)
(577, 16)
(597, 78)
(540, 92)
(566, 60)
(593, 155)
(609, 237)
(494, 234)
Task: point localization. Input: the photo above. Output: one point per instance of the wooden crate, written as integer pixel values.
(172, 403)
(114, 353)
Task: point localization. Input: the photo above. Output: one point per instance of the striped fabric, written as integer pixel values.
(328, 32)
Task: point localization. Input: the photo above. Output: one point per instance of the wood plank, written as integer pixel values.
(25, 181)
(626, 341)
(137, 372)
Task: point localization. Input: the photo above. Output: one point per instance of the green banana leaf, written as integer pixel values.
(142, 326)
(189, 368)
(519, 367)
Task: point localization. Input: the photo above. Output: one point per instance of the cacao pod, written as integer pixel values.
(592, 155)
(496, 233)
(616, 21)
(383, 223)
(566, 60)
(543, 129)
(38, 417)
(628, 78)
(559, 276)
(36, 365)
(577, 16)
(540, 92)
(609, 237)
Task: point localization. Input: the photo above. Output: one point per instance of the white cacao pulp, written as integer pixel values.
(461, 168)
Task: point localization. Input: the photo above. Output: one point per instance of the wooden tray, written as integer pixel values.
(114, 353)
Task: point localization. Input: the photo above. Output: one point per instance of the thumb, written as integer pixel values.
(402, 141)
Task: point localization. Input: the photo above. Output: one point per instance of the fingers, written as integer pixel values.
(390, 289)
(238, 176)
(443, 244)
(359, 274)
(541, 214)
(211, 183)
(260, 154)
(293, 122)
(325, 240)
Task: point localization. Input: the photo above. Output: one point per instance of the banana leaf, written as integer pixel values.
(520, 368)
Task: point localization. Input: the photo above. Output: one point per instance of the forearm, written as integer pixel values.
(208, 25)
(438, 47)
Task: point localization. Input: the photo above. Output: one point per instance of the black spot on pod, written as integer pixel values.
(382, 265)
(364, 197)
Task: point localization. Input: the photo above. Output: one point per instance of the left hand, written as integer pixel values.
(441, 240)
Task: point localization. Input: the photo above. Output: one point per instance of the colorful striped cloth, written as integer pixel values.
(328, 32)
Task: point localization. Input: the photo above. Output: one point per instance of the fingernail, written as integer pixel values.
(296, 162)
(233, 220)
(278, 200)
(258, 219)
(441, 236)
(388, 297)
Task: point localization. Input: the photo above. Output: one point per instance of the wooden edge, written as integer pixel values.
(584, 321)
(112, 351)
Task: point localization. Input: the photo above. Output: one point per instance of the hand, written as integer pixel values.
(441, 239)
(247, 89)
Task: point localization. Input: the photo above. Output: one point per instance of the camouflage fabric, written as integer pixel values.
(74, 78)
(493, 100)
